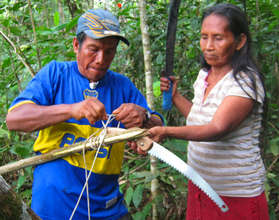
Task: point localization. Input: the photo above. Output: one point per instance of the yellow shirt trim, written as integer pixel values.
(19, 104)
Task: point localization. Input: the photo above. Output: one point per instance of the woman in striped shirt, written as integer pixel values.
(223, 120)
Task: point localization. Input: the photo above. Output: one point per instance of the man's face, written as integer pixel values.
(95, 56)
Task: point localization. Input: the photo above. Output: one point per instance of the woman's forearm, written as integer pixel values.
(182, 104)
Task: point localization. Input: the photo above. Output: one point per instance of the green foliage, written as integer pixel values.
(54, 34)
(156, 89)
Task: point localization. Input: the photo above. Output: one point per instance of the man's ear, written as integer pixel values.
(241, 41)
(75, 45)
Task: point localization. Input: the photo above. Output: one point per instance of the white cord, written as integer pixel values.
(95, 141)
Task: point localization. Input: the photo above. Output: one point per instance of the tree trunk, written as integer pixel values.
(12, 207)
(276, 72)
(149, 94)
(61, 11)
(73, 7)
(34, 34)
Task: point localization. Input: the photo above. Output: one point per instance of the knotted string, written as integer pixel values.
(94, 141)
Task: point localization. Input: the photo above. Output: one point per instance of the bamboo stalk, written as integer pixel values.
(114, 135)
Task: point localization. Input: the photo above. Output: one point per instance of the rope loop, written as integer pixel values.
(95, 141)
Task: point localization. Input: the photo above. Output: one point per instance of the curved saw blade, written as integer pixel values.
(170, 158)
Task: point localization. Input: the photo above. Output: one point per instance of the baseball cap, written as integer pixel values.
(99, 23)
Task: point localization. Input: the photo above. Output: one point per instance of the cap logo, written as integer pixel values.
(110, 33)
(95, 25)
(99, 24)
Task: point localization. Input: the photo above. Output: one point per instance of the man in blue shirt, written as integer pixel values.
(65, 102)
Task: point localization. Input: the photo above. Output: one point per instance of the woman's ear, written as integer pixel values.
(241, 42)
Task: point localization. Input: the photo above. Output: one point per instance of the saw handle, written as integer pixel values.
(144, 143)
(167, 99)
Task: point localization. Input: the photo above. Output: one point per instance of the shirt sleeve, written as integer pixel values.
(40, 89)
(245, 88)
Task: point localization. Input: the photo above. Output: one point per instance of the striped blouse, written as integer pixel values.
(233, 164)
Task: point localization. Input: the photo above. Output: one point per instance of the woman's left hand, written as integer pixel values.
(157, 133)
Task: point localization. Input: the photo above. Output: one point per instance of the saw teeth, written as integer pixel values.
(215, 199)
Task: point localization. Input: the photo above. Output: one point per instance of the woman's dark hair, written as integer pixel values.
(242, 59)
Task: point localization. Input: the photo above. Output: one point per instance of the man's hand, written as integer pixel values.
(91, 109)
(131, 115)
(133, 145)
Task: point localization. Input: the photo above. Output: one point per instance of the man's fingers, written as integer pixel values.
(133, 145)
(140, 151)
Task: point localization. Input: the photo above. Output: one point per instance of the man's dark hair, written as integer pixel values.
(242, 59)
(81, 37)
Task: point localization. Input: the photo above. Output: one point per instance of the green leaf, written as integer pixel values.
(20, 181)
(160, 59)
(276, 12)
(137, 196)
(56, 18)
(3, 149)
(5, 64)
(20, 151)
(275, 181)
(146, 210)
(15, 30)
(129, 195)
(142, 174)
(71, 24)
(156, 89)
(3, 133)
(58, 28)
(274, 146)
(138, 216)
(271, 175)
(144, 213)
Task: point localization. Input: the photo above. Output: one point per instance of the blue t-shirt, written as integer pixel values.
(58, 184)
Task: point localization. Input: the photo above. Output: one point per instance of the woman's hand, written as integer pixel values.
(166, 82)
(157, 133)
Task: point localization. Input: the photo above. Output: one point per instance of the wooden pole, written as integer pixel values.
(114, 135)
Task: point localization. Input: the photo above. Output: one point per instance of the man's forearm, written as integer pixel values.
(32, 117)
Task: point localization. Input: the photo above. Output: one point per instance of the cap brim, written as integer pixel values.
(90, 34)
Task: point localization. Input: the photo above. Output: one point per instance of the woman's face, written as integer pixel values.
(217, 42)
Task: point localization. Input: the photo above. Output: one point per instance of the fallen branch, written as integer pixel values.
(114, 135)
